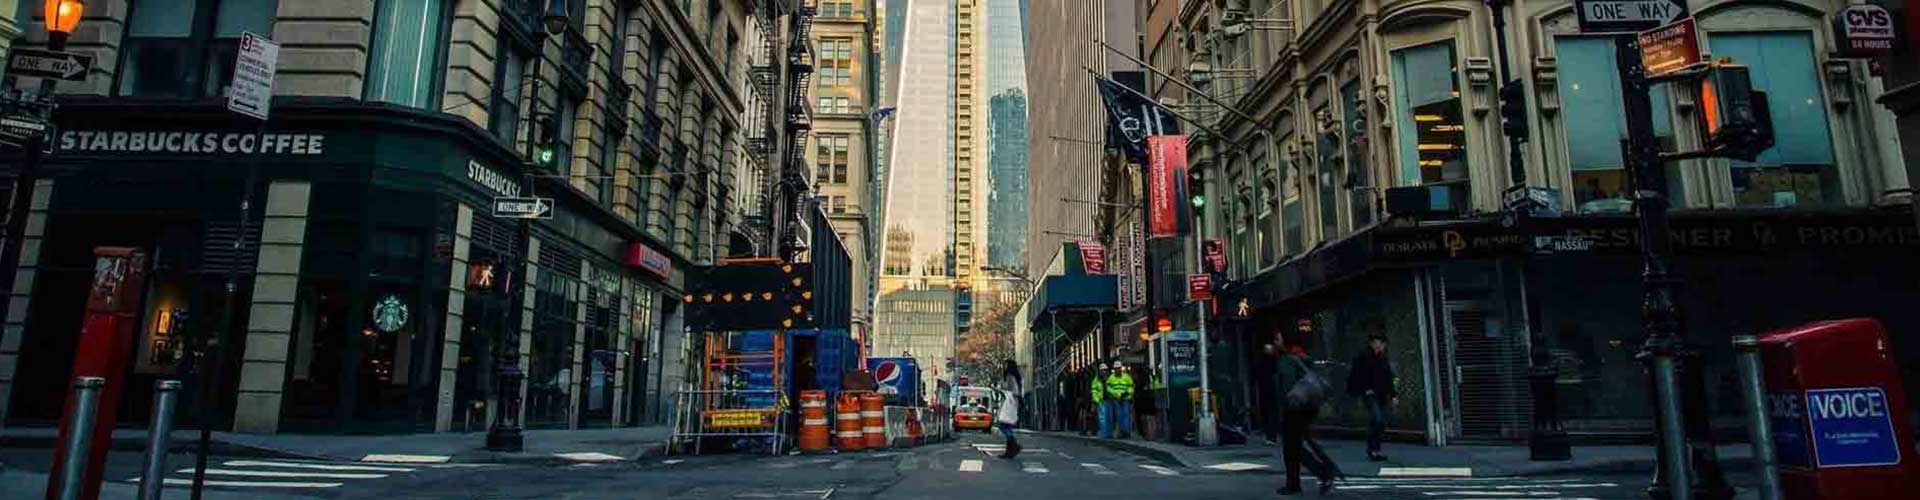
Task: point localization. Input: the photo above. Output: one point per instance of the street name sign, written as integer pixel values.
(19, 130)
(251, 93)
(523, 207)
(66, 66)
(1670, 48)
(1628, 16)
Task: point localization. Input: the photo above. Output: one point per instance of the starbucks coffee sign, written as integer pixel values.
(191, 142)
(390, 314)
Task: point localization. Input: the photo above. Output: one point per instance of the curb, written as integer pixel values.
(214, 446)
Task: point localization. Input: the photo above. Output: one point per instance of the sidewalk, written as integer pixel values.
(1479, 460)
(541, 445)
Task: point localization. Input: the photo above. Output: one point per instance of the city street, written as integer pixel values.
(967, 468)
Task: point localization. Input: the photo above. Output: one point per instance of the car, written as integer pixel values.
(973, 417)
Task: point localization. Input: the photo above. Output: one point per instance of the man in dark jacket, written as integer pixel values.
(1371, 380)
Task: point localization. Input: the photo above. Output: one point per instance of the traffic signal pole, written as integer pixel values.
(1688, 467)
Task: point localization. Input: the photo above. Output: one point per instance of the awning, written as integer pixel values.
(1072, 292)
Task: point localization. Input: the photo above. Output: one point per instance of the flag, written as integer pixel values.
(883, 113)
(1132, 117)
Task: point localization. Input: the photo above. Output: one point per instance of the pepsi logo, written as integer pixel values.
(887, 373)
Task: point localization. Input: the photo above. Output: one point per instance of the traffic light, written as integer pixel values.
(1196, 189)
(1513, 110)
(546, 147)
(1737, 121)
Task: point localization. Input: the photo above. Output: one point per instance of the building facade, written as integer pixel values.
(1339, 102)
(377, 283)
(845, 90)
(1007, 198)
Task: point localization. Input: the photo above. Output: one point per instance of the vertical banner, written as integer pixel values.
(1166, 185)
(1215, 252)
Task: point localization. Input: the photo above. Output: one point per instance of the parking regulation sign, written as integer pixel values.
(1851, 427)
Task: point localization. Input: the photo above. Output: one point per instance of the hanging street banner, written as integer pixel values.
(1628, 16)
(1864, 31)
(1670, 48)
(1166, 186)
(1215, 253)
(65, 66)
(252, 91)
(1132, 118)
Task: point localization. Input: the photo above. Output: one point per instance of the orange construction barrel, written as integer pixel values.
(873, 419)
(846, 423)
(813, 421)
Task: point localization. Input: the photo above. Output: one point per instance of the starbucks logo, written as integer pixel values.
(389, 315)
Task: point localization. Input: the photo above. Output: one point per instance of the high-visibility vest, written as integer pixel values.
(1120, 385)
(1099, 389)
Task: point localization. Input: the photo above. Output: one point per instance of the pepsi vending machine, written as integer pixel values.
(898, 379)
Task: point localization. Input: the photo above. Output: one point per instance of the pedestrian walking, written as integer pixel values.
(1009, 414)
(1120, 400)
(1371, 380)
(1302, 391)
(1098, 374)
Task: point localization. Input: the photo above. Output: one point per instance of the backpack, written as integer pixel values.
(1309, 392)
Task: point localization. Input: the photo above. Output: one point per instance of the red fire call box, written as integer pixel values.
(1840, 418)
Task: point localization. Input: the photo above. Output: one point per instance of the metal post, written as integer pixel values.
(1759, 428)
(165, 396)
(86, 392)
(1673, 445)
(1206, 434)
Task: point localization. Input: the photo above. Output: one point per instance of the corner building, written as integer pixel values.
(374, 291)
(1347, 100)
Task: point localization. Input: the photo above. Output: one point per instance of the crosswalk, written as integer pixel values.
(963, 460)
(1461, 488)
(284, 474)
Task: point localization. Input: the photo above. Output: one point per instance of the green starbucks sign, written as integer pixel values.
(389, 314)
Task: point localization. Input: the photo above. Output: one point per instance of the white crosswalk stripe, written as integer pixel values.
(1159, 470)
(283, 474)
(1033, 468)
(1099, 469)
(971, 465)
(1474, 488)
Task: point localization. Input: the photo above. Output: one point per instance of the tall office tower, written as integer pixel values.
(1007, 213)
(967, 134)
(917, 267)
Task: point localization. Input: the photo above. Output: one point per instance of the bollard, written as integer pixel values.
(165, 395)
(1759, 428)
(86, 392)
(1673, 440)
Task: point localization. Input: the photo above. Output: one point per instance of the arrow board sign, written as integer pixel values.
(66, 66)
(1628, 16)
(523, 208)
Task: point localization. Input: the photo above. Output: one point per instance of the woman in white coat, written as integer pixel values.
(1009, 413)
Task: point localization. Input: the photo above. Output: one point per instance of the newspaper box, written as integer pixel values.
(1839, 413)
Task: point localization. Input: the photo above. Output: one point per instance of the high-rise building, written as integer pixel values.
(1007, 205)
(968, 79)
(919, 193)
(845, 90)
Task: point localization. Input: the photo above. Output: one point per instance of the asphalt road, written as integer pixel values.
(968, 468)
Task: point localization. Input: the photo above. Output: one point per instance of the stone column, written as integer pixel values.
(456, 319)
(578, 373)
(470, 61)
(666, 104)
(528, 290)
(276, 283)
(20, 299)
(622, 352)
(690, 132)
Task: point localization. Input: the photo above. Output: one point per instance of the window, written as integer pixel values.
(1359, 181)
(1327, 178)
(563, 138)
(404, 66)
(1798, 171)
(1427, 102)
(831, 158)
(836, 62)
(835, 105)
(1590, 101)
(168, 55)
(1294, 238)
(839, 205)
(505, 112)
(836, 8)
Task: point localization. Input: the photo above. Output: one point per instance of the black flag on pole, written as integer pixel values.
(1131, 117)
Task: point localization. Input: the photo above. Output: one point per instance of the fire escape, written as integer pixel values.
(799, 126)
(763, 77)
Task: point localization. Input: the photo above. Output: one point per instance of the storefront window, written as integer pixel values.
(1798, 171)
(550, 375)
(1590, 101)
(404, 65)
(1433, 147)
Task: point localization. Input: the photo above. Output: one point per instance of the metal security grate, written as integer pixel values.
(218, 254)
(1489, 372)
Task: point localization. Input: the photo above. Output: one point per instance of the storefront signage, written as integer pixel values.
(491, 179)
(1093, 256)
(644, 257)
(1670, 48)
(1864, 31)
(390, 314)
(1627, 16)
(1166, 180)
(193, 142)
(1851, 427)
(736, 419)
(1620, 236)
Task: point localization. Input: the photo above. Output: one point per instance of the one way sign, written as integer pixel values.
(1628, 16)
(514, 207)
(49, 64)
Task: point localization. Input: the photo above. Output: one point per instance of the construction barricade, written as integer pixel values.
(873, 420)
(847, 430)
(899, 422)
(814, 436)
(734, 402)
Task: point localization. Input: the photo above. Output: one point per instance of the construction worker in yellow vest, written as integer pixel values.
(1099, 396)
(1120, 399)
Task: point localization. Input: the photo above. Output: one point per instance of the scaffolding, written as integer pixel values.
(738, 398)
